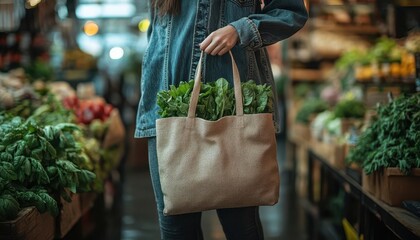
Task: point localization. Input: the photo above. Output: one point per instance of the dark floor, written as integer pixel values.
(138, 219)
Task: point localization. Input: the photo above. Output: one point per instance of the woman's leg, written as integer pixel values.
(177, 227)
(241, 223)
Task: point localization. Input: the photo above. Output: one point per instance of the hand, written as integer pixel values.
(220, 41)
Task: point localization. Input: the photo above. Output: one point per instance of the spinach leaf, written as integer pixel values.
(7, 171)
(9, 207)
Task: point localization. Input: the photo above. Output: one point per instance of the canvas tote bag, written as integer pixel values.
(227, 163)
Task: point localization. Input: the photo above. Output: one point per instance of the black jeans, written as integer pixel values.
(237, 223)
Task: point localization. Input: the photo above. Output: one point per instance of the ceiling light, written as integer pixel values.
(90, 28)
(144, 25)
(116, 53)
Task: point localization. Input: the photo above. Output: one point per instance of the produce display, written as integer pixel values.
(309, 108)
(87, 110)
(354, 116)
(386, 60)
(38, 162)
(412, 42)
(13, 89)
(216, 99)
(349, 108)
(392, 139)
(330, 119)
(52, 146)
(320, 123)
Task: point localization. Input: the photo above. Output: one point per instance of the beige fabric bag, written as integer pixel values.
(228, 163)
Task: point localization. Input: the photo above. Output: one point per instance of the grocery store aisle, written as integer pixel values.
(285, 220)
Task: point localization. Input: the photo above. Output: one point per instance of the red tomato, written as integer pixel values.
(71, 102)
(97, 109)
(108, 109)
(87, 116)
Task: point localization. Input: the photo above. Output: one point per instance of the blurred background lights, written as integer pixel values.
(31, 3)
(116, 53)
(105, 10)
(90, 28)
(144, 25)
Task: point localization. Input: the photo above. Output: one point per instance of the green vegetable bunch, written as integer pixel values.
(350, 108)
(310, 107)
(350, 58)
(46, 109)
(385, 49)
(216, 99)
(37, 163)
(51, 111)
(393, 138)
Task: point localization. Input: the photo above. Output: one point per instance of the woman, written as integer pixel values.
(179, 31)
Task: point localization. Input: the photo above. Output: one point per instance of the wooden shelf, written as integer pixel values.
(400, 222)
(354, 29)
(403, 223)
(407, 3)
(306, 75)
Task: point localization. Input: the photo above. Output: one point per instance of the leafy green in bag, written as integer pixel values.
(216, 99)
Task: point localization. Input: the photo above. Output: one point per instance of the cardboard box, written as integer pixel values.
(29, 224)
(392, 186)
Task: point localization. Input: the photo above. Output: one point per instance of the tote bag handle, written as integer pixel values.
(236, 85)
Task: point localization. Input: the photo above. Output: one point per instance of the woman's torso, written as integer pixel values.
(173, 53)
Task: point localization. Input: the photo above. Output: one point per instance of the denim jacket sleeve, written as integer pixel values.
(278, 20)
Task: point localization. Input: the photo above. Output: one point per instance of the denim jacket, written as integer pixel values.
(173, 47)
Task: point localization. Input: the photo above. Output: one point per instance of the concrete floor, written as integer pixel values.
(135, 218)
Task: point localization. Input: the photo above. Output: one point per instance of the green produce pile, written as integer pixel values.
(310, 107)
(37, 162)
(384, 50)
(45, 152)
(349, 108)
(216, 99)
(392, 139)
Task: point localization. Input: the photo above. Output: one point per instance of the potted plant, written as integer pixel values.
(389, 151)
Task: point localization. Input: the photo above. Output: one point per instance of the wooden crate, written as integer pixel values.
(301, 132)
(392, 186)
(29, 224)
(87, 200)
(371, 184)
(333, 153)
(69, 215)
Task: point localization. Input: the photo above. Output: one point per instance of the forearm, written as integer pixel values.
(278, 20)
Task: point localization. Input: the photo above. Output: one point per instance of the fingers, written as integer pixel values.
(220, 50)
(205, 43)
(216, 46)
(220, 41)
(223, 51)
